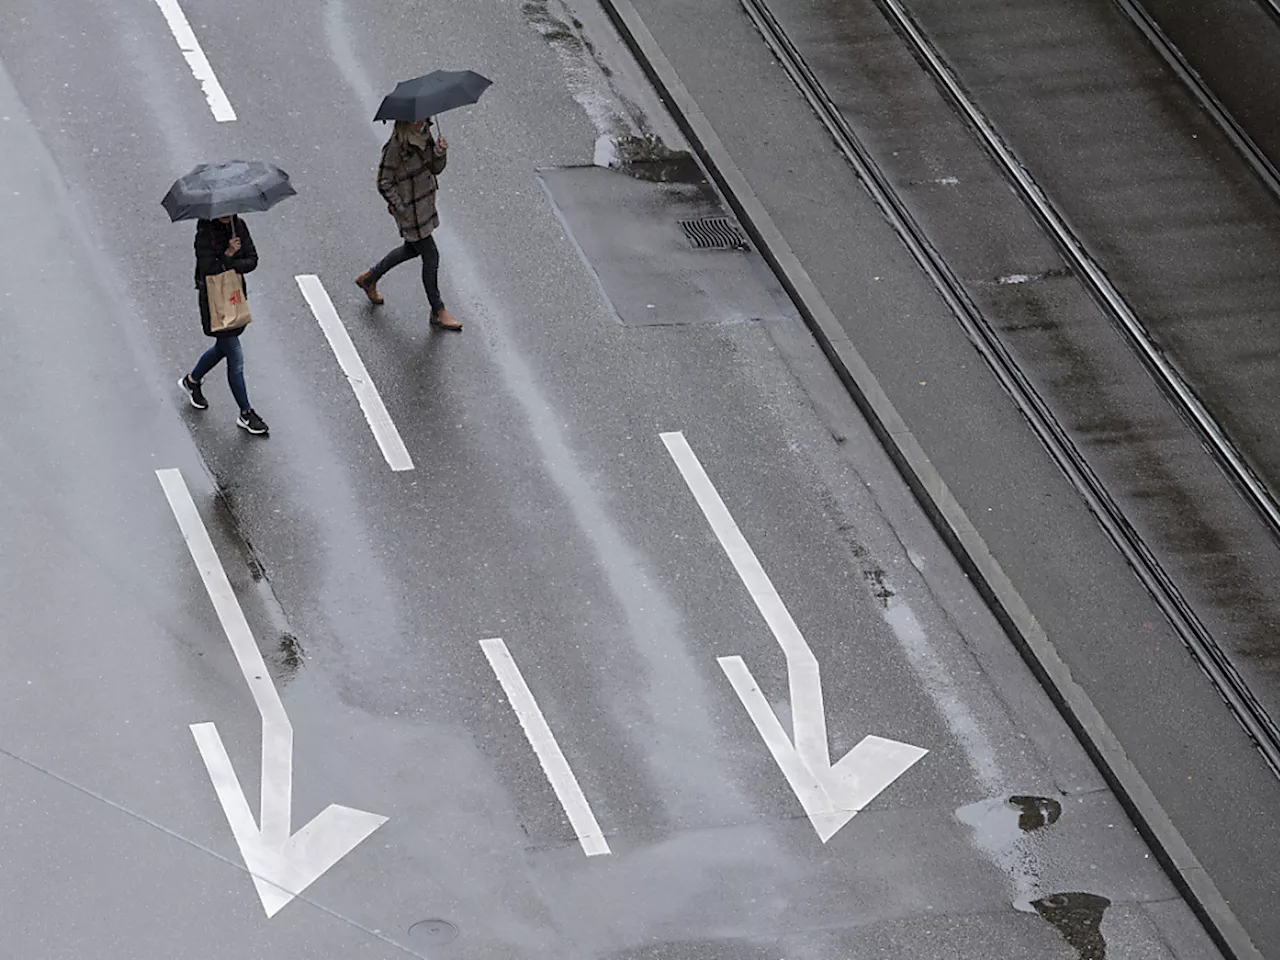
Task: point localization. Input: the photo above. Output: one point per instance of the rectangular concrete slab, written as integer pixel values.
(628, 230)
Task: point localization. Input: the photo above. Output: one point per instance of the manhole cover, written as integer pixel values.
(433, 931)
(714, 233)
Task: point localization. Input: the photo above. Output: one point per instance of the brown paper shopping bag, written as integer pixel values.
(228, 308)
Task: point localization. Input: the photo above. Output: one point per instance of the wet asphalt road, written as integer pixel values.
(544, 509)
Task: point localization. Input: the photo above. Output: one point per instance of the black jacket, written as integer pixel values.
(212, 237)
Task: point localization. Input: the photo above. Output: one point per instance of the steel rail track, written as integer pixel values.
(1183, 70)
(1233, 463)
(1261, 728)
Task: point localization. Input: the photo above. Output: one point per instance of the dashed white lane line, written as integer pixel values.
(554, 765)
(199, 63)
(384, 430)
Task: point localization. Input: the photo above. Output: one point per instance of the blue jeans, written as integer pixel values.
(230, 348)
(430, 254)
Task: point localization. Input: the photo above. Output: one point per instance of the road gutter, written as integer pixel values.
(931, 491)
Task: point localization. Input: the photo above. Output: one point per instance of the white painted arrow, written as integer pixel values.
(282, 866)
(831, 794)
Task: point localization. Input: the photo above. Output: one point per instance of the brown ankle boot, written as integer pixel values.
(445, 320)
(365, 282)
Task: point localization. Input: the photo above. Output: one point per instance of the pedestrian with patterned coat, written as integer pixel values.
(411, 161)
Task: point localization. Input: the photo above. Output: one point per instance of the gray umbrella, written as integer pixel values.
(214, 190)
(433, 94)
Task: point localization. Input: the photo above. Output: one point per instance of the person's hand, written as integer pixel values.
(233, 247)
(442, 144)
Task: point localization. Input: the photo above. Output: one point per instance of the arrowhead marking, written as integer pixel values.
(832, 794)
(280, 874)
(281, 869)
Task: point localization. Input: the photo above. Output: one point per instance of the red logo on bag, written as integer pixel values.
(236, 297)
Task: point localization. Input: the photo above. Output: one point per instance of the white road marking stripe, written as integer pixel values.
(831, 794)
(199, 63)
(544, 745)
(807, 711)
(223, 596)
(734, 543)
(281, 864)
(384, 430)
(277, 741)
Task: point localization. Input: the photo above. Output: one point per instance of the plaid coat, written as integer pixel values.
(407, 181)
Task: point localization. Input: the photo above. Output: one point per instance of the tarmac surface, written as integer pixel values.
(551, 503)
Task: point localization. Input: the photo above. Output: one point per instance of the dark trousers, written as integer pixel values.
(426, 249)
(228, 347)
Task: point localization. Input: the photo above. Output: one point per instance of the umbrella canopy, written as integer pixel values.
(424, 97)
(221, 189)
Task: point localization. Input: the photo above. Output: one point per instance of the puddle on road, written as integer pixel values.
(1037, 812)
(880, 589)
(555, 29)
(287, 657)
(1007, 824)
(1003, 823)
(1002, 828)
(648, 158)
(1078, 917)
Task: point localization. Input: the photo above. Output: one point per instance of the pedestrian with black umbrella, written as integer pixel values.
(213, 195)
(411, 160)
(222, 246)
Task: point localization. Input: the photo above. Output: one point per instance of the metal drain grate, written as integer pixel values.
(714, 233)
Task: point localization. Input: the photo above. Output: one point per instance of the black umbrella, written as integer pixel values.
(221, 189)
(425, 97)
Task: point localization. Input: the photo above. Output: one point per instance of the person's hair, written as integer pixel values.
(403, 127)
